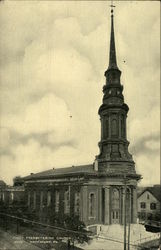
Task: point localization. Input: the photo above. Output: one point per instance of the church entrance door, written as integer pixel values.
(115, 211)
(115, 217)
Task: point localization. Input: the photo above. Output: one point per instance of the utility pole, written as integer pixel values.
(17, 226)
(127, 213)
(128, 236)
(129, 217)
(5, 219)
(125, 190)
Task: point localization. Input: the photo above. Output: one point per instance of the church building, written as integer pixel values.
(101, 192)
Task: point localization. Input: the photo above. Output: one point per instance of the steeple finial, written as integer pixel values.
(112, 6)
(112, 54)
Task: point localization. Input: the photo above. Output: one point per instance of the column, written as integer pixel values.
(102, 134)
(120, 205)
(107, 205)
(119, 122)
(134, 219)
(109, 125)
(99, 205)
(128, 205)
(130, 214)
(123, 204)
(84, 204)
(125, 130)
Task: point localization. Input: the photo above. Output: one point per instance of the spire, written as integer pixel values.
(112, 54)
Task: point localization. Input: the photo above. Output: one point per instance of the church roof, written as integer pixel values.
(61, 172)
(82, 170)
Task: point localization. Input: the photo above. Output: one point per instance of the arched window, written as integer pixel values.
(12, 196)
(48, 198)
(41, 199)
(66, 202)
(56, 201)
(114, 128)
(77, 203)
(106, 128)
(115, 199)
(34, 200)
(91, 205)
(28, 199)
(3, 196)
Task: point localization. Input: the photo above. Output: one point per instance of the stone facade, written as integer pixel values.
(96, 199)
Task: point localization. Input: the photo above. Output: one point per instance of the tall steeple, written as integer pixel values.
(112, 54)
(112, 67)
(114, 155)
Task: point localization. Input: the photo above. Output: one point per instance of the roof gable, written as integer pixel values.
(155, 191)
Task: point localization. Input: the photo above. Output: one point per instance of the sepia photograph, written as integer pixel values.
(80, 125)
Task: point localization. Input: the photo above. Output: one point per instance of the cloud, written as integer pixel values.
(49, 113)
(148, 126)
(47, 122)
(5, 137)
(144, 135)
(33, 157)
(147, 145)
(149, 167)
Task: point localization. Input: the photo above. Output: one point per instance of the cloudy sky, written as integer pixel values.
(53, 57)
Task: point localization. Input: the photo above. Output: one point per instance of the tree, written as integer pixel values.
(18, 181)
(73, 223)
